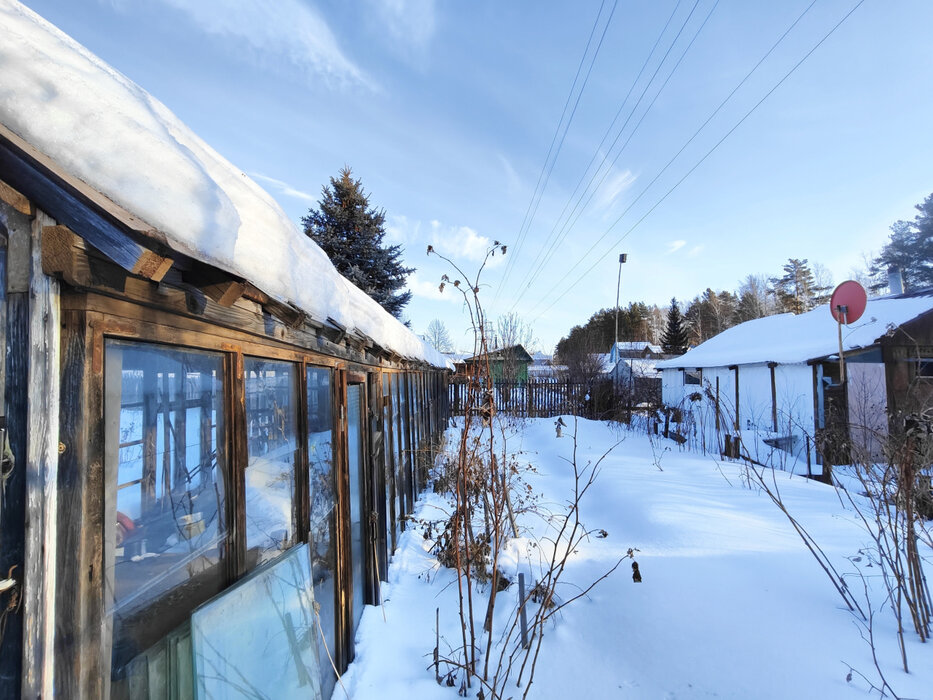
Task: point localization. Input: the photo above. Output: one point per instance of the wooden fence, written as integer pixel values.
(546, 399)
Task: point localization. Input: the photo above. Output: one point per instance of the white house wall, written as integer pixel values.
(793, 393)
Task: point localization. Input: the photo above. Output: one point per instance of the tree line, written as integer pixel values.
(800, 287)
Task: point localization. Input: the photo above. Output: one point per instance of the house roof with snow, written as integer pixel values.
(638, 346)
(789, 338)
(515, 353)
(115, 148)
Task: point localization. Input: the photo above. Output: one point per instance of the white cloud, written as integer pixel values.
(613, 187)
(284, 30)
(284, 187)
(427, 289)
(408, 24)
(674, 246)
(399, 230)
(695, 251)
(462, 243)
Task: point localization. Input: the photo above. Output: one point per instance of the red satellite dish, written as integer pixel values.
(848, 301)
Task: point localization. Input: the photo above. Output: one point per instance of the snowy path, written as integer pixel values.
(732, 604)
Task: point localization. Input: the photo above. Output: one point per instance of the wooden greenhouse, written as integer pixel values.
(174, 424)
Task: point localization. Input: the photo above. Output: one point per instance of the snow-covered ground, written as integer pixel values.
(732, 604)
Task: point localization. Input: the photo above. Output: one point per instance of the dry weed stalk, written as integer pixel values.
(487, 492)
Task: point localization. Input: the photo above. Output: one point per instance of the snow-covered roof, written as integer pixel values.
(789, 338)
(640, 367)
(99, 126)
(631, 345)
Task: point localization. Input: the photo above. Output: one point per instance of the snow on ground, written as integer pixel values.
(732, 605)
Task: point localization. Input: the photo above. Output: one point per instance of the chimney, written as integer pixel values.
(895, 281)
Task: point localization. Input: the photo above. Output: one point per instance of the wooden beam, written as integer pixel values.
(224, 293)
(65, 255)
(84, 210)
(16, 200)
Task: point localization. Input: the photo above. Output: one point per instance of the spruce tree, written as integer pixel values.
(910, 249)
(351, 234)
(674, 341)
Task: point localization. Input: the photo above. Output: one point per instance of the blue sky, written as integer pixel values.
(446, 111)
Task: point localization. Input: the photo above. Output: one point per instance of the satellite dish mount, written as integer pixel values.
(847, 305)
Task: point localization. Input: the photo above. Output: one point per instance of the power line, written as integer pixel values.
(548, 242)
(692, 169)
(579, 210)
(691, 139)
(545, 173)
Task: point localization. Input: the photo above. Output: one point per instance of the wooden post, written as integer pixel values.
(15, 409)
(774, 423)
(521, 609)
(843, 312)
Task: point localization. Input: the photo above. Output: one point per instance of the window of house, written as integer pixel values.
(322, 536)
(925, 367)
(166, 490)
(271, 429)
(692, 377)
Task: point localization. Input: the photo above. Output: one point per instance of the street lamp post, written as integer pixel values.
(622, 258)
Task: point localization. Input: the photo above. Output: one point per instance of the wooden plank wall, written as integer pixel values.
(12, 527)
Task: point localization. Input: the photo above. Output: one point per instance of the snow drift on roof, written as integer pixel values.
(787, 338)
(104, 129)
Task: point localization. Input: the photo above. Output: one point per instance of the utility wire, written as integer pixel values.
(612, 124)
(568, 225)
(546, 170)
(695, 166)
(691, 139)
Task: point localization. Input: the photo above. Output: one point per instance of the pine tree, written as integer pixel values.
(797, 291)
(674, 341)
(351, 234)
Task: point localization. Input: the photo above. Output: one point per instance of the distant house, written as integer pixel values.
(634, 374)
(505, 364)
(634, 350)
(542, 368)
(779, 378)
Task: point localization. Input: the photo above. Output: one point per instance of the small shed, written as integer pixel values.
(508, 364)
(778, 378)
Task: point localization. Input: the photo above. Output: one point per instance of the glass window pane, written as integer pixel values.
(165, 495)
(355, 465)
(321, 531)
(271, 429)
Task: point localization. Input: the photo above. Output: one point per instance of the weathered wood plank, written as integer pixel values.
(41, 475)
(16, 199)
(12, 527)
(80, 655)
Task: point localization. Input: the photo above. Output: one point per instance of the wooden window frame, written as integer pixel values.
(89, 320)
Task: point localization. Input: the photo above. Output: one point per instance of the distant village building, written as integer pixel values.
(505, 364)
(778, 378)
(635, 350)
(631, 366)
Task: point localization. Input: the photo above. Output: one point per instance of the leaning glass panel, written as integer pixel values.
(322, 537)
(166, 533)
(258, 639)
(271, 428)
